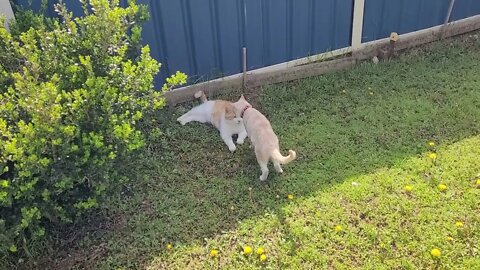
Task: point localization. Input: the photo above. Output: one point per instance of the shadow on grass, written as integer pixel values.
(189, 187)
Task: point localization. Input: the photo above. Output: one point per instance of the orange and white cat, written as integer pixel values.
(220, 113)
(264, 140)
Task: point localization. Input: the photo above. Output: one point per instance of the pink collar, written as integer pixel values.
(244, 109)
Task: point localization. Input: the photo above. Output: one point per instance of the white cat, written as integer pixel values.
(222, 114)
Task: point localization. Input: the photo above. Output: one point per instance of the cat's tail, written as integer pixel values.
(201, 95)
(276, 155)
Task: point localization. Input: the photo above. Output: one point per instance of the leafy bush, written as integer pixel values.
(72, 94)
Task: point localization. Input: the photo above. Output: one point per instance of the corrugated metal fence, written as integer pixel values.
(381, 17)
(204, 38)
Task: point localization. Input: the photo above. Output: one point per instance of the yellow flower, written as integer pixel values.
(436, 252)
(169, 246)
(432, 156)
(260, 251)
(247, 250)
(449, 238)
(338, 228)
(290, 197)
(431, 144)
(13, 248)
(478, 182)
(442, 187)
(408, 188)
(263, 258)
(213, 253)
(459, 224)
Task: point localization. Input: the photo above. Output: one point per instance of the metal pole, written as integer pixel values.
(447, 18)
(244, 62)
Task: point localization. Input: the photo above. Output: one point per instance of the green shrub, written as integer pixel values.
(72, 94)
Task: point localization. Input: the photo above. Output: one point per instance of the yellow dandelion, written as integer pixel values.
(260, 250)
(442, 187)
(436, 252)
(290, 197)
(169, 246)
(408, 188)
(432, 156)
(478, 182)
(213, 253)
(449, 238)
(247, 250)
(459, 224)
(338, 228)
(263, 258)
(431, 144)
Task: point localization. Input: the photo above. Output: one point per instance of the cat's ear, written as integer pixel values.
(242, 98)
(230, 112)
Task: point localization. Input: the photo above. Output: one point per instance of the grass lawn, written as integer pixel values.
(361, 137)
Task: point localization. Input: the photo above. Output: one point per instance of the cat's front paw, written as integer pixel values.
(181, 121)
